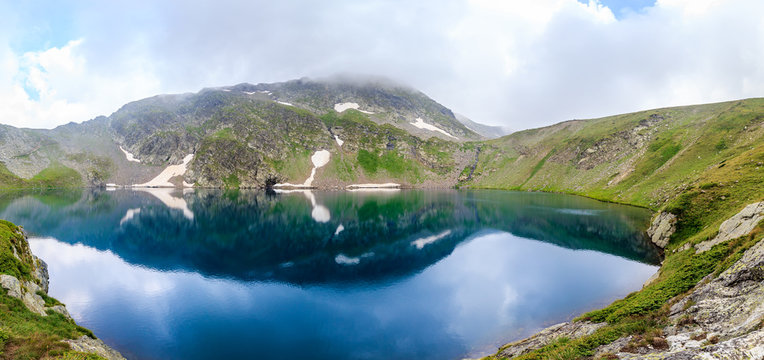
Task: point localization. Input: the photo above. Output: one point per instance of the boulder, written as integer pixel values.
(11, 284)
(661, 229)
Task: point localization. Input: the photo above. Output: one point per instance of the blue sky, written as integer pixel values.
(518, 64)
(623, 8)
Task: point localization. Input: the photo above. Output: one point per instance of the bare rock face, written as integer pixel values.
(740, 224)
(570, 330)
(732, 304)
(661, 229)
(26, 292)
(721, 318)
(41, 272)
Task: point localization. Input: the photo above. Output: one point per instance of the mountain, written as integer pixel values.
(487, 131)
(251, 136)
(645, 158)
(700, 167)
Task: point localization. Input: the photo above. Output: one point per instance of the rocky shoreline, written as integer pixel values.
(722, 317)
(29, 292)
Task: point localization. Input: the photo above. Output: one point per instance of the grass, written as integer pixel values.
(54, 176)
(683, 170)
(24, 334)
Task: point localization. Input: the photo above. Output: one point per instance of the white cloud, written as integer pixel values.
(515, 63)
(56, 86)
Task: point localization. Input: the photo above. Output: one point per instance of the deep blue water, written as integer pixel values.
(163, 274)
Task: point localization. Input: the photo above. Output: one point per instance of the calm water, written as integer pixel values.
(165, 274)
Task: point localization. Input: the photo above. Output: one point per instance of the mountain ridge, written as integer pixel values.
(265, 132)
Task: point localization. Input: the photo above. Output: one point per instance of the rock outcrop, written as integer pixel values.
(30, 293)
(570, 330)
(94, 346)
(722, 318)
(661, 229)
(740, 224)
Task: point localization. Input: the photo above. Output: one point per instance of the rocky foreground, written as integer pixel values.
(31, 293)
(721, 318)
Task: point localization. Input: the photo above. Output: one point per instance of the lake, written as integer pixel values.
(410, 274)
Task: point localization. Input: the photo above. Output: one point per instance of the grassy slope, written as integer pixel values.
(676, 150)
(704, 165)
(24, 334)
(55, 176)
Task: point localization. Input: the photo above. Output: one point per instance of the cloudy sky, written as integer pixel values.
(515, 63)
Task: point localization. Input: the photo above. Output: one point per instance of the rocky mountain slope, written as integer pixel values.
(250, 136)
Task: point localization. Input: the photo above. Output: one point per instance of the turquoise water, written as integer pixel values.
(163, 274)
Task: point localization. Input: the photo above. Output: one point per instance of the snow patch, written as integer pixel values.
(421, 243)
(129, 215)
(339, 142)
(129, 156)
(284, 103)
(163, 179)
(339, 230)
(375, 190)
(374, 186)
(340, 107)
(423, 125)
(320, 158)
(165, 196)
(249, 92)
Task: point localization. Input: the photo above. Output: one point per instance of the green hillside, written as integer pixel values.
(701, 163)
(644, 158)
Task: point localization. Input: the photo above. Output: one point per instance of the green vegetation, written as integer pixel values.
(24, 334)
(368, 161)
(702, 163)
(55, 176)
(645, 158)
(386, 152)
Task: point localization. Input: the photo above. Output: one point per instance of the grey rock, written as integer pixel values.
(11, 284)
(34, 303)
(732, 304)
(570, 330)
(739, 225)
(749, 346)
(27, 293)
(94, 346)
(729, 308)
(61, 309)
(41, 273)
(661, 229)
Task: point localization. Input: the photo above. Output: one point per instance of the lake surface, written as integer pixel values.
(170, 274)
